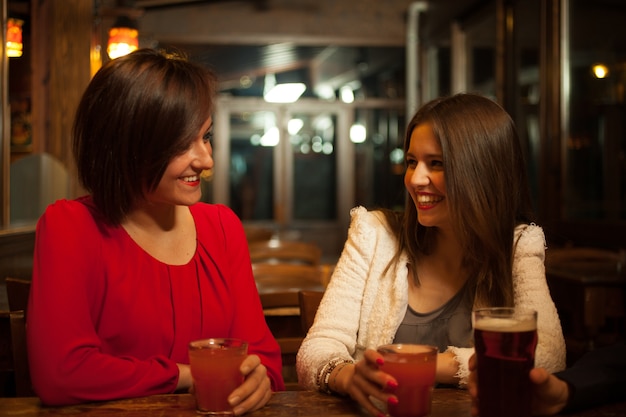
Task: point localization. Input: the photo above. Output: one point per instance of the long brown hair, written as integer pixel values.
(487, 191)
(137, 113)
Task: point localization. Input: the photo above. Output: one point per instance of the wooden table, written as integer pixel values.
(446, 403)
(589, 296)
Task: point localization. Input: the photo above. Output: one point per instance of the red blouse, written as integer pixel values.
(107, 321)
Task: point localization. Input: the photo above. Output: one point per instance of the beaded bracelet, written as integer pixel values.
(338, 369)
(324, 375)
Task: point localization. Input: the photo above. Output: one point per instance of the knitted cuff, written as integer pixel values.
(462, 356)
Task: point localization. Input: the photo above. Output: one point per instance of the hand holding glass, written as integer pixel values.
(414, 368)
(215, 372)
(505, 340)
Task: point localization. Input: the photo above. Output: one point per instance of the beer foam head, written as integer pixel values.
(505, 324)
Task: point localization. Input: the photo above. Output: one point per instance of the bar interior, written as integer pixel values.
(292, 168)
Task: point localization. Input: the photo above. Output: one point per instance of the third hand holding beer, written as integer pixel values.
(550, 394)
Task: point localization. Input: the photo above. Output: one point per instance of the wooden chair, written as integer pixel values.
(257, 233)
(327, 272)
(588, 286)
(282, 314)
(17, 294)
(285, 277)
(278, 285)
(7, 374)
(285, 251)
(580, 254)
(309, 301)
(21, 369)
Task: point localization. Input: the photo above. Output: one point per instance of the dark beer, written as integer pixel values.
(505, 354)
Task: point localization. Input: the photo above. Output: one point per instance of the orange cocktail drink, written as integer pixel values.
(414, 368)
(215, 371)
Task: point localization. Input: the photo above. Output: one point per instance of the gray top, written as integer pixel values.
(449, 325)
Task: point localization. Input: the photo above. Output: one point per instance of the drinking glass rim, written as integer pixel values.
(228, 342)
(428, 349)
(514, 316)
(499, 311)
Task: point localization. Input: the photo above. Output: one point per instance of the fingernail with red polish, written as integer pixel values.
(392, 384)
(392, 401)
(380, 361)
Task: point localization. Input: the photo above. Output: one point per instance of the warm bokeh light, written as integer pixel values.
(600, 71)
(14, 38)
(122, 41)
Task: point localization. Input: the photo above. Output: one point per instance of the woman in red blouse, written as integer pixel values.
(125, 277)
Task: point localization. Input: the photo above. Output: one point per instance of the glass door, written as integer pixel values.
(278, 166)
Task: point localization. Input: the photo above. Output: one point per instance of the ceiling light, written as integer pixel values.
(284, 93)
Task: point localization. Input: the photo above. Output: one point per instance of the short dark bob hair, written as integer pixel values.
(137, 113)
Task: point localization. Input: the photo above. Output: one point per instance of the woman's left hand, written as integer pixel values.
(256, 389)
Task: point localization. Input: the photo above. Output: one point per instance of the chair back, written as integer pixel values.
(283, 277)
(257, 233)
(17, 293)
(285, 251)
(584, 255)
(282, 314)
(588, 287)
(18, 290)
(278, 285)
(21, 369)
(309, 301)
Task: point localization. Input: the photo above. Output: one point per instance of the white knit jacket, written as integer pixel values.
(363, 306)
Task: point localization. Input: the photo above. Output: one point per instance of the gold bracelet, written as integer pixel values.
(331, 386)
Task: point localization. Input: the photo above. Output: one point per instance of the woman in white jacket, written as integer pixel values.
(465, 240)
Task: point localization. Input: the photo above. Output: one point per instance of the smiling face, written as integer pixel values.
(180, 183)
(424, 178)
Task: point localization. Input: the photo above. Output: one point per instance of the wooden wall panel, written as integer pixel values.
(62, 33)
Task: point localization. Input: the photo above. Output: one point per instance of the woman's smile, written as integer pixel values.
(193, 180)
(426, 201)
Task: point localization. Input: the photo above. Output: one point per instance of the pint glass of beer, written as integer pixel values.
(505, 340)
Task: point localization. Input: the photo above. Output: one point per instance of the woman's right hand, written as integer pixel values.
(364, 380)
(256, 389)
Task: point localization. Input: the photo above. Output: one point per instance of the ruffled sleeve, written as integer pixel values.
(530, 291)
